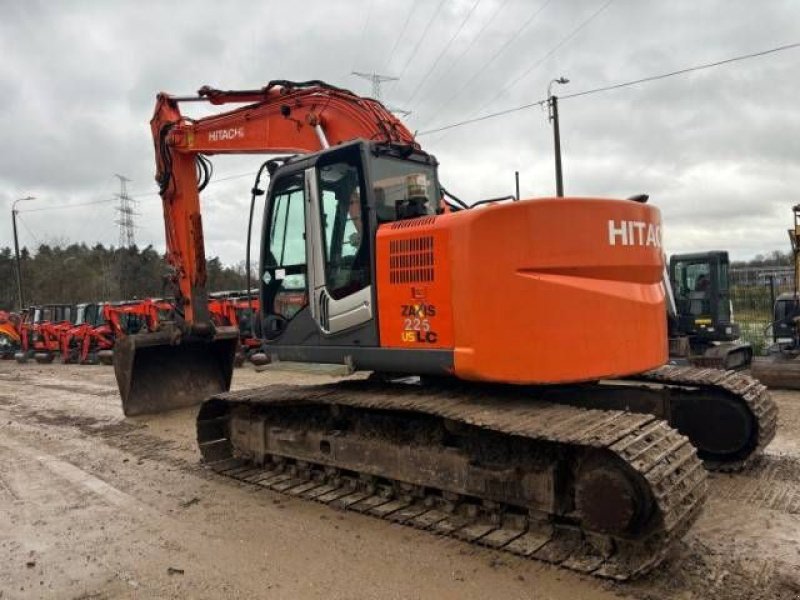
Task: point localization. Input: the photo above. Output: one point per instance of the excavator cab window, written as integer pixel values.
(284, 263)
(403, 189)
(93, 314)
(693, 289)
(343, 218)
(724, 308)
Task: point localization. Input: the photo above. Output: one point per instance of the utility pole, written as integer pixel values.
(21, 295)
(552, 105)
(377, 79)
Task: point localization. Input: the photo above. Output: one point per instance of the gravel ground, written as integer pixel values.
(93, 505)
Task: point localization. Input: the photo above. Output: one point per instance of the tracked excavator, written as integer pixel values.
(518, 396)
(702, 331)
(780, 367)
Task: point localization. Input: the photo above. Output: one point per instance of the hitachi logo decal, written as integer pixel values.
(219, 135)
(633, 233)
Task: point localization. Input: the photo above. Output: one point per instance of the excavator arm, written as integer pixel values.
(282, 118)
(190, 358)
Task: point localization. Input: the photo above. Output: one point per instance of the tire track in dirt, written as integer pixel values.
(128, 436)
(7, 494)
(772, 482)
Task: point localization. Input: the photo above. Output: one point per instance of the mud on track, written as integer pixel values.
(96, 506)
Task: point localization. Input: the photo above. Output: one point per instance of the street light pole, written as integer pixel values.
(16, 249)
(552, 104)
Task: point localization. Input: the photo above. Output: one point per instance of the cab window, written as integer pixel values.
(285, 259)
(344, 227)
(403, 189)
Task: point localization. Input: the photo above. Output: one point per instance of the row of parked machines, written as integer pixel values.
(85, 333)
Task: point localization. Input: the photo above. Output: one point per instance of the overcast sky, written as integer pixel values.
(717, 150)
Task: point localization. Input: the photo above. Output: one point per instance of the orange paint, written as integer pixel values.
(535, 292)
(414, 293)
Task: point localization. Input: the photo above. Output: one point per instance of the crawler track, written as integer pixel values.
(239, 431)
(738, 388)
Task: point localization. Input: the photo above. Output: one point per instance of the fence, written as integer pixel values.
(753, 294)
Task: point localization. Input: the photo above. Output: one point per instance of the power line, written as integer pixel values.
(28, 229)
(481, 118)
(682, 71)
(215, 180)
(543, 58)
(229, 177)
(422, 37)
(550, 52)
(445, 48)
(615, 87)
(30, 210)
(472, 43)
(493, 57)
(139, 195)
(363, 31)
(400, 37)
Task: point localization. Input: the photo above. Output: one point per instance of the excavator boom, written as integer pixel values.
(282, 118)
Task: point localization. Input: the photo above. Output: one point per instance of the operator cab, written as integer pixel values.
(700, 283)
(90, 314)
(80, 313)
(321, 218)
(786, 310)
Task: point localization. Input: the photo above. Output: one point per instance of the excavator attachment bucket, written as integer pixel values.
(155, 374)
(777, 372)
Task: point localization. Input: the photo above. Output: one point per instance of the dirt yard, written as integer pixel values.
(96, 506)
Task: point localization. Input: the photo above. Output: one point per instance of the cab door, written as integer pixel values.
(284, 289)
(339, 244)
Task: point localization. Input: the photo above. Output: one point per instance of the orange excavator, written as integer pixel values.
(42, 330)
(91, 339)
(518, 396)
(10, 338)
(236, 308)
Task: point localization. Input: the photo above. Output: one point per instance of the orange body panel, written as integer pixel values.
(541, 291)
(414, 303)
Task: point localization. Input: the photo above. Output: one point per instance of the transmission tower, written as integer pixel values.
(376, 79)
(126, 213)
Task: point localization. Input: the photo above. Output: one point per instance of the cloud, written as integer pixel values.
(716, 150)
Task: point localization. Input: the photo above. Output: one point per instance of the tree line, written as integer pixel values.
(78, 273)
(776, 258)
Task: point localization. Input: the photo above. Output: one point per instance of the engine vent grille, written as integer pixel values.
(411, 260)
(414, 222)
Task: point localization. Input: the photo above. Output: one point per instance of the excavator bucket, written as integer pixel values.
(777, 372)
(155, 374)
